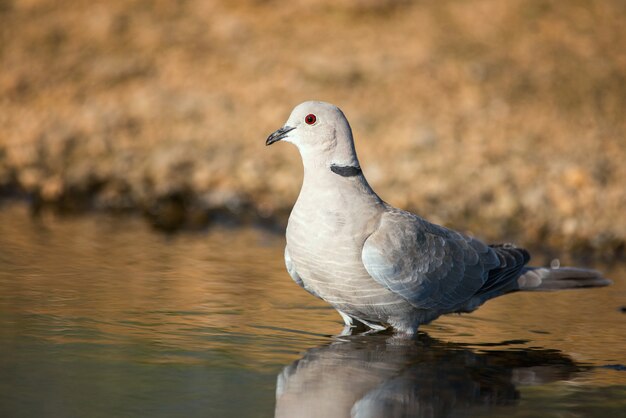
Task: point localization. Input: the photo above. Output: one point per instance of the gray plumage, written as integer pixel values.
(379, 265)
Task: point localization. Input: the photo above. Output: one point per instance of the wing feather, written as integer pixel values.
(434, 267)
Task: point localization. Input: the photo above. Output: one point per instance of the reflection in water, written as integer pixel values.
(382, 375)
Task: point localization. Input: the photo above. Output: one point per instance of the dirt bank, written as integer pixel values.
(501, 118)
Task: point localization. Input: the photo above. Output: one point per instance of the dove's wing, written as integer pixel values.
(436, 268)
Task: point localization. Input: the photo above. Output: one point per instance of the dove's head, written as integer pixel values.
(321, 132)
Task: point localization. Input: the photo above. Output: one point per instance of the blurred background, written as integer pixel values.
(504, 119)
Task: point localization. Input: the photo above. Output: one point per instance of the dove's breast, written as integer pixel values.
(325, 242)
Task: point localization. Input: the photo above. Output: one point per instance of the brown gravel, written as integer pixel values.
(502, 118)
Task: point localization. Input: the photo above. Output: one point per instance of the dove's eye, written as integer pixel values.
(310, 119)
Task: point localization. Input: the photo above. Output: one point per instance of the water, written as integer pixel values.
(103, 317)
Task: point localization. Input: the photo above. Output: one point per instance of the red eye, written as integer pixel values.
(310, 119)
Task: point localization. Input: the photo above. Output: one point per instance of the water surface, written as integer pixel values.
(102, 316)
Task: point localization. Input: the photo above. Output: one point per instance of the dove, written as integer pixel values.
(382, 267)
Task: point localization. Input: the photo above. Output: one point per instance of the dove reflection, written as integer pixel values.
(386, 376)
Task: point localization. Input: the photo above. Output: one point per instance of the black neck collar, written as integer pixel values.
(346, 170)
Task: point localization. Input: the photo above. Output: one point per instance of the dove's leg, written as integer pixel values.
(352, 322)
(347, 319)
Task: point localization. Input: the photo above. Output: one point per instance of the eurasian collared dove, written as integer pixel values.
(381, 266)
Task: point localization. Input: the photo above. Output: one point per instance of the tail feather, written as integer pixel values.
(547, 279)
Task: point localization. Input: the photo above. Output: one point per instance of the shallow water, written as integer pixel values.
(103, 317)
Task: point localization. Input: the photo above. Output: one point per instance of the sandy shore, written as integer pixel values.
(504, 119)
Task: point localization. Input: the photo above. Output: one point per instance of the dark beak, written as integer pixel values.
(278, 135)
